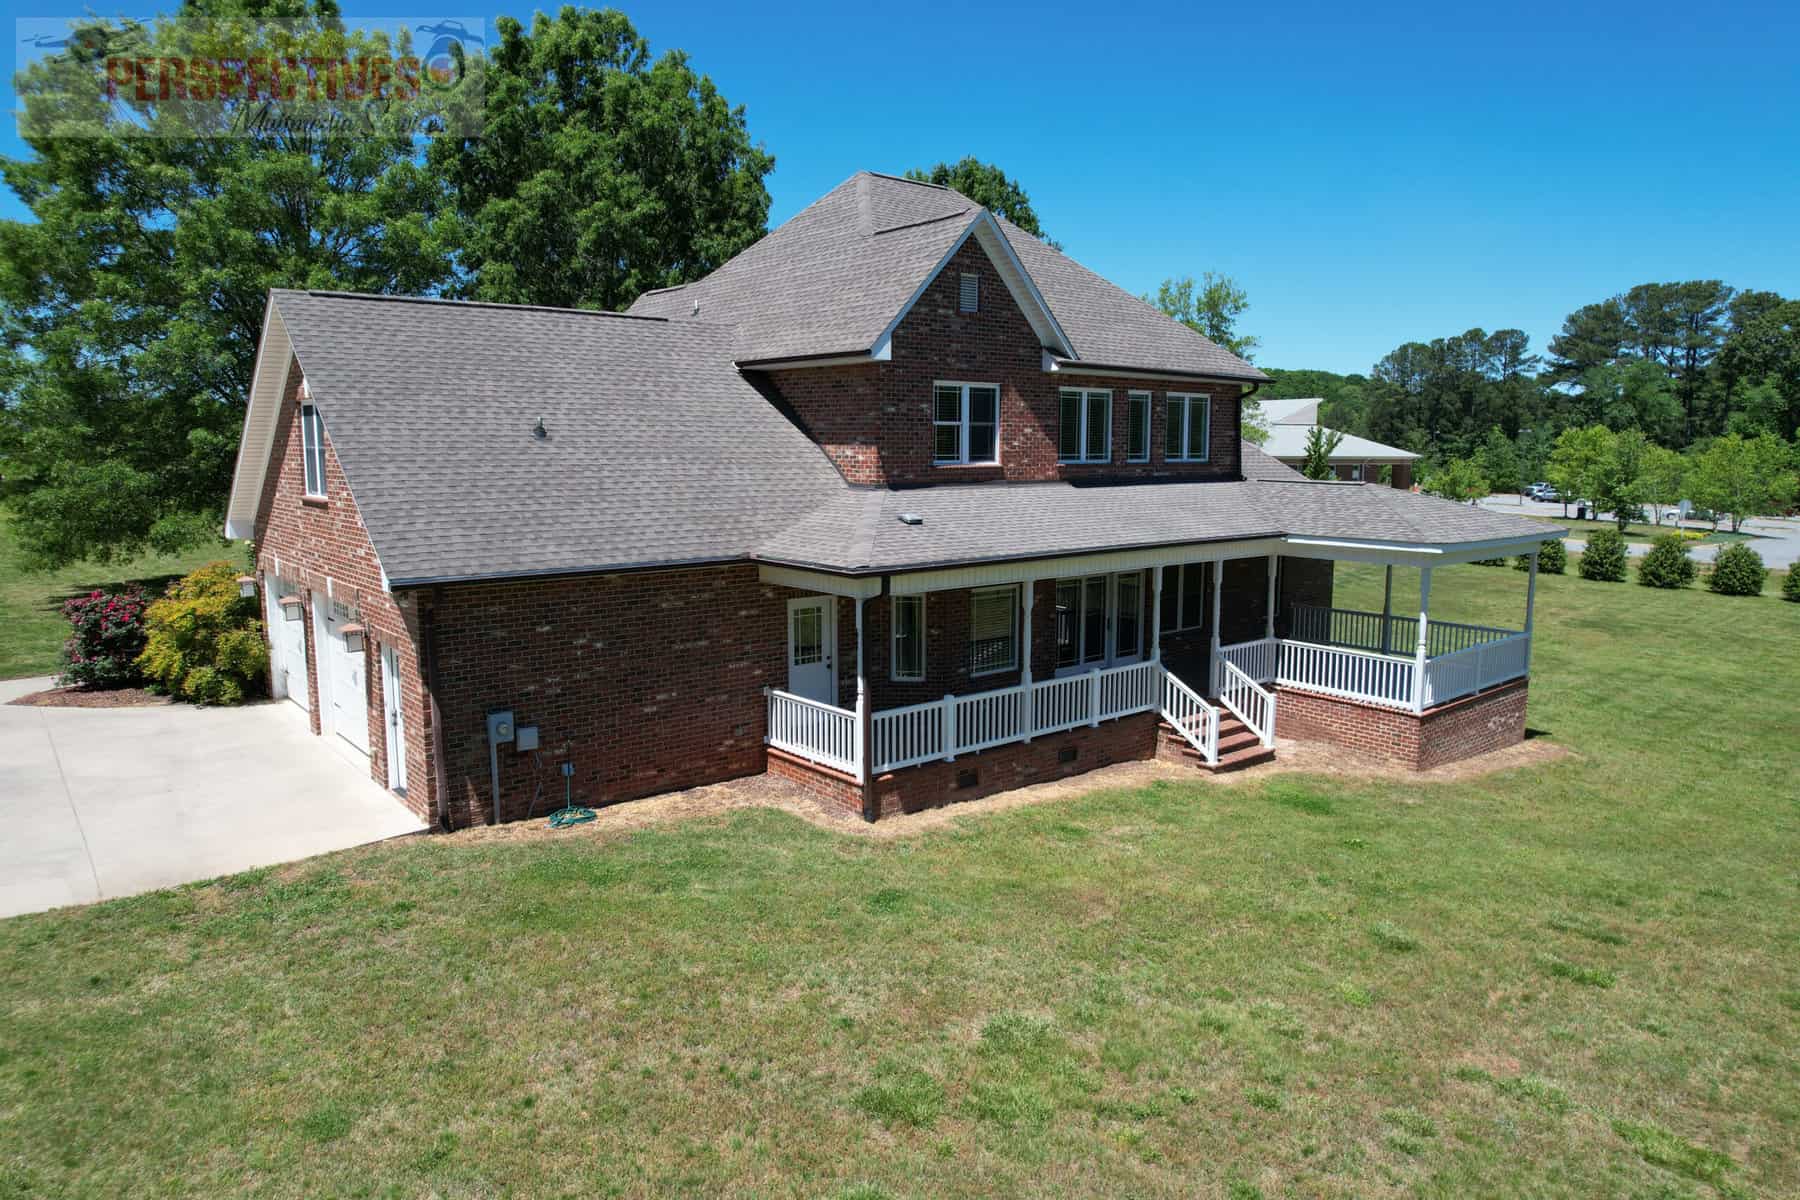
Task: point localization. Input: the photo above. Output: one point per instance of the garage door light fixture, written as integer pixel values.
(353, 638)
(246, 586)
(292, 607)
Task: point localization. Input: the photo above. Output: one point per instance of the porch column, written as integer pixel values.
(1387, 611)
(1156, 615)
(1026, 719)
(862, 707)
(1530, 604)
(1213, 668)
(1419, 657)
(1269, 623)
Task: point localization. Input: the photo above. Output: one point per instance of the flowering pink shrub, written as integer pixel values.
(106, 637)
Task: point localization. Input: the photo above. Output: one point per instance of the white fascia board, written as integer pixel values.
(1102, 563)
(801, 364)
(1018, 279)
(1415, 554)
(859, 588)
(1062, 366)
(274, 357)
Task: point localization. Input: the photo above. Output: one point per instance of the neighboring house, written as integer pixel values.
(900, 503)
(1355, 458)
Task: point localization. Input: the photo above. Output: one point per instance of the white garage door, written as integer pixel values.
(343, 683)
(287, 643)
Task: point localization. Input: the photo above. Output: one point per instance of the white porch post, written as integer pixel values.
(1419, 656)
(1530, 604)
(1028, 717)
(1213, 667)
(1387, 611)
(862, 698)
(1156, 614)
(1269, 623)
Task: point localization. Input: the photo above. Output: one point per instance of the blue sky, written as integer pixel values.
(1371, 174)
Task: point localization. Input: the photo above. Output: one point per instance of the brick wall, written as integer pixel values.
(320, 545)
(875, 420)
(646, 682)
(1449, 733)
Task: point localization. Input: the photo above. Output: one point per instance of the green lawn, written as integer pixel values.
(32, 627)
(1579, 979)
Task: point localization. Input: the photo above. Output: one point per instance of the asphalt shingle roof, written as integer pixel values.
(658, 451)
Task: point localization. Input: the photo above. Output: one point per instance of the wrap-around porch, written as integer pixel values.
(944, 673)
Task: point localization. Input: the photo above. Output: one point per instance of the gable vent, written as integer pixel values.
(969, 296)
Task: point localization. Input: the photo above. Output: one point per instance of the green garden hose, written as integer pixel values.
(570, 813)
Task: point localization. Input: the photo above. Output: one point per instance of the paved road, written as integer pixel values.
(1777, 539)
(97, 803)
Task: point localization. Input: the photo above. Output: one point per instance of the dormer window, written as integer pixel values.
(968, 295)
(312, 449)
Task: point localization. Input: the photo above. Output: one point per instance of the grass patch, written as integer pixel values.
(1192, 989)
(1562, 968)
(32, 627)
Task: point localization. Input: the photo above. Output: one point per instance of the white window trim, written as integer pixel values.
(1087, 395)
(1149, 401)
(1012, 590)
(1112, 655)
(312, 444)
(962, 436)
(894, 639)
(1175, 582)
(1186, 399)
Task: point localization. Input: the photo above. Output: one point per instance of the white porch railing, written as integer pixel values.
(1377, 679)
(823, 733)
(1362, 631)
(918, 733)
(1251, 704)
(1192, 717)
(1480, 666)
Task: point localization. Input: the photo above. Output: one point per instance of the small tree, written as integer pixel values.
(1738, 571)
(1604, 558)
(1499, 460)
(1618, 484)
(1321, 444)
(1458, 479)
(1746, 477)
(1577, 460)
(205, 641)
(106, 636)
(1553, 559)
(1667, 565)
(1664, 476)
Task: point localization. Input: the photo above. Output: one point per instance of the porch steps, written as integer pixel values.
(1238, 747)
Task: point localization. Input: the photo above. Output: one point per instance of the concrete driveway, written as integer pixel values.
(97, 803)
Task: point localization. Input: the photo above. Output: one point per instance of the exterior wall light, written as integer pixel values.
(353, 638)
(246, 586)
(292, 607)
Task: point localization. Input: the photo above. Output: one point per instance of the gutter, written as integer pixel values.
(440, 772)
(1243, 396)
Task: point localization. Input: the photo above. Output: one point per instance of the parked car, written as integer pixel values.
(1542, 491)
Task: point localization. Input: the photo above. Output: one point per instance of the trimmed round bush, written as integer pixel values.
(205, 642)
(1604, 558)
(1667, 565)
(1790, 587)
(1488, 562)
(1553, 559)
(1738, 571)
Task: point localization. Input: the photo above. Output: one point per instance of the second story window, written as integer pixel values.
(1137, 427)
(1190, 428)
(312, 449)
(965, 423)
(1084, 429)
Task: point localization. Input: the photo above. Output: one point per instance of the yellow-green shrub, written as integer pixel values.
(206, 643)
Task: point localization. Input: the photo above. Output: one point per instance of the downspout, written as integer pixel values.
(1242, 397)
(440, 773)
(870, 807)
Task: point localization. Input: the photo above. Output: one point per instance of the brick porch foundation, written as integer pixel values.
(973, 776)
(1448, 733)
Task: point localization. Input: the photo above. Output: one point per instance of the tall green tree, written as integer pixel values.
(1210, 307)
(1499, 460)
(988, 186)
(599, 172)
(1321, 444)
(132, 302)
(1764, 350)
(1441, 397)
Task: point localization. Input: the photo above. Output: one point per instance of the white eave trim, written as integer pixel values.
(1056, 365)
(1415, 553)
(262, 412)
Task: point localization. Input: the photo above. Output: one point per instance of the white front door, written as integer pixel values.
(287, 644)
(396, 719)
(343, 688)
(811, 640)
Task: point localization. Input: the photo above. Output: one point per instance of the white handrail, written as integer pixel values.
(1362, 630)
(1379, 679)
(822, 733)
(1252, 704)
(919, 733)
(1475, 669)
(1193, 718)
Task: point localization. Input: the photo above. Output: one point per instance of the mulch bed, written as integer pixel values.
(72, 697)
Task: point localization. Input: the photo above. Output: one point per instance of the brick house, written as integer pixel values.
(1354, 458)
(900, 503)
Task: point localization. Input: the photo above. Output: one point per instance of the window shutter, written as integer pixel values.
(969, 293)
